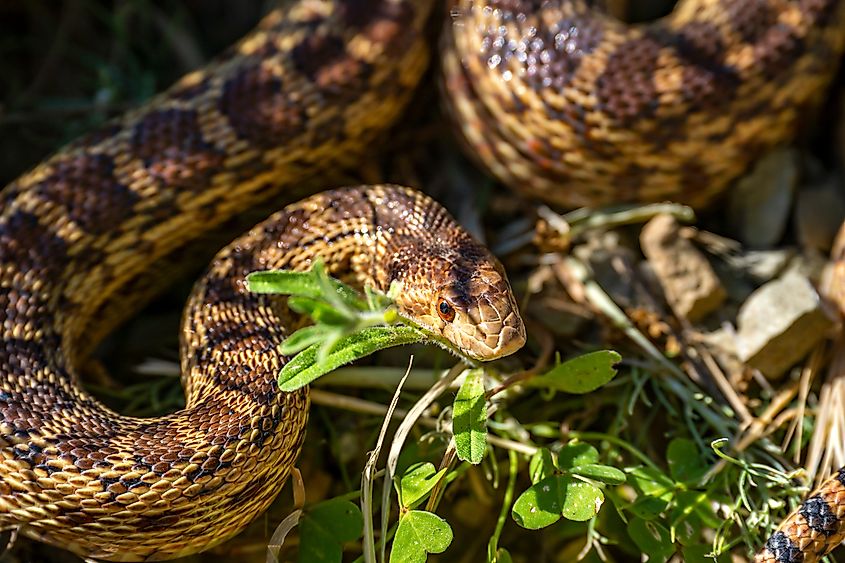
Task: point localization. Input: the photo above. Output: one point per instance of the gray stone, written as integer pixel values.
(760, 202)
(779, 323)
(761, 265)
(819, 211)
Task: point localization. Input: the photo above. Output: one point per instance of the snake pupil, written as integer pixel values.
(447, 313)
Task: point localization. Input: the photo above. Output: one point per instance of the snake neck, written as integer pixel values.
(371, 236)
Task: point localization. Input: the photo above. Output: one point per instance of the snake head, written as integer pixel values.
(465, 298)
(480, 316)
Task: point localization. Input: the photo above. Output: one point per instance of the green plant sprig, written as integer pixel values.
(347, 325)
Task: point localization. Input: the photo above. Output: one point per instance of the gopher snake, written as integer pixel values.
(552, 97)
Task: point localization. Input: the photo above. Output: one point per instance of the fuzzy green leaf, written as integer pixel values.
(470, 418)
(325, 527)
(415, 484)
(303, 338)
(580, 375)
(304, 368)
(301, 284)
(321, 311)
(603, 473)
(418, 534)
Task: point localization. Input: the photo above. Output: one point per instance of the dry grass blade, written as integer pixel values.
(277, 540)
(402, 432)
(825, 452)
(368, 476)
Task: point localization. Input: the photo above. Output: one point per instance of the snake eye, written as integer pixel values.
(445, 310)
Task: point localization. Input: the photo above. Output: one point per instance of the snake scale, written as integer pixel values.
(552, 97)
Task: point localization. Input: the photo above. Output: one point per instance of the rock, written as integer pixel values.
(819, 211)
(780, 323)
(761, 265)
(810, 265)
(759, 204)
(691, 286)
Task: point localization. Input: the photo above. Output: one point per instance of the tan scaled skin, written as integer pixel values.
(670, 110)
(562, 102)
(84, 233)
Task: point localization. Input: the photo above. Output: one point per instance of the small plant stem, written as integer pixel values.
(380, 377)
(493, 545)
(437, 492)
(335, 400)
(367, 477)
(585, 219)
(584, 436)
(402, 433)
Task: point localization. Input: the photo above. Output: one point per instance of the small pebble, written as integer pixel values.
(690, 285)
(780, 323)
(759, 204)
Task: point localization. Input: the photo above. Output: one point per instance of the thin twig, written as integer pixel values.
(368, 475)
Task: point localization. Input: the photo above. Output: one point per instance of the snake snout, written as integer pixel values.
(499, 328)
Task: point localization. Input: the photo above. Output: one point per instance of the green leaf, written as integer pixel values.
(377, 301)
(685, 461)
(603, 473)
(652, 539)
(687, 529)
(656, 490)
(303, 368)
(303, 338)
(697, 504)
(502, 556)
(301, 284)
(540, 505)
(319, 310)
(415, 484)
(325, 527)
(542, 465)
(652, 482)
(580, 375)
(577, 453)
(648, 508)
(545, 502)
(582, 500)
(470, 418)
(419, 533)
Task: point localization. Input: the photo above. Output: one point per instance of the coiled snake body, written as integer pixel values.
(552, 97)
